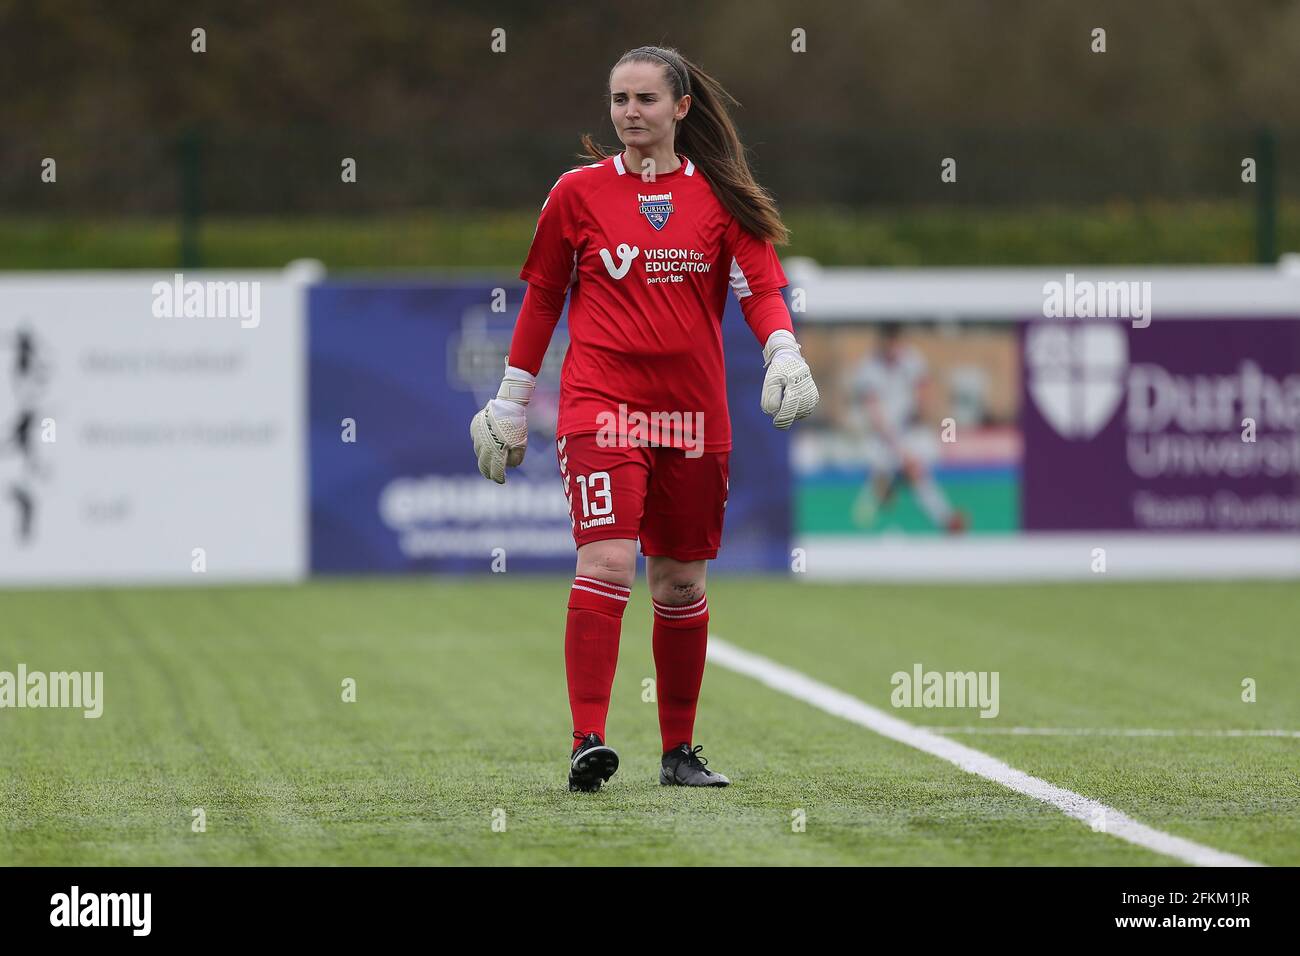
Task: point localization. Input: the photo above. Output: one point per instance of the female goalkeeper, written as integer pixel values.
(646, 243)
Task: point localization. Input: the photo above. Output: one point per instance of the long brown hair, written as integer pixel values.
(707, 136)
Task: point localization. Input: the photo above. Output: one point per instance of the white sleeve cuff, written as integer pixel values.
(517, 385)
(780, 339)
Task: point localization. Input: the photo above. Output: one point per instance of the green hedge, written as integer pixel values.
(1212, 232)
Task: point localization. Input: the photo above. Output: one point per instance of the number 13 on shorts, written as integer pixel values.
(673, 503)
(597, 498)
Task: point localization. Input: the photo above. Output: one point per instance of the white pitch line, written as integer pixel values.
(1111, 732)
(836, 702)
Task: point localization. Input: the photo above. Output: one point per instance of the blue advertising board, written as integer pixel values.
(397, 370)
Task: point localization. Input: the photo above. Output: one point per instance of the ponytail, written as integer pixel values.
(707, 136)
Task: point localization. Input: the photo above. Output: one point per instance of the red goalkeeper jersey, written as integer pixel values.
(647, 266)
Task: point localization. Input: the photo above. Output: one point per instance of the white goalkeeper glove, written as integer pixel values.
(789, 392)
(500, 429)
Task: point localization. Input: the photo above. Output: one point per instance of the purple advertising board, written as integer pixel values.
(1187, 425)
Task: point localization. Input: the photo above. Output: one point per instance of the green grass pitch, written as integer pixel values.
(229, 699)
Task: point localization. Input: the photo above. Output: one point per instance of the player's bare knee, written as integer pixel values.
(612, 562)
(683, 593)
(613, 569)
(680, 592)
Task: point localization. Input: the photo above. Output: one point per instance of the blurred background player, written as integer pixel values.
(889, 387)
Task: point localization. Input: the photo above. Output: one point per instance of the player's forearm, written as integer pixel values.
(534, 327)
(766, 313)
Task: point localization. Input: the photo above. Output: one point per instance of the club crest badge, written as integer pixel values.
(656, 208)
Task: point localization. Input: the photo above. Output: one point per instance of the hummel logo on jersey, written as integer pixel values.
(626, 254)
(656, 208)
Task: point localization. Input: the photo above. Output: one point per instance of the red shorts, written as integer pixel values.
(672, 502)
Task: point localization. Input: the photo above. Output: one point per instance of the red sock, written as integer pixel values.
(591, 650)
(680, 640)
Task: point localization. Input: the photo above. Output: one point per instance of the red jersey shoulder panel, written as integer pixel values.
(754, 265)
(552, 257)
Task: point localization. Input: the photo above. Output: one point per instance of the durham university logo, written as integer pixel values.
(656, 208)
